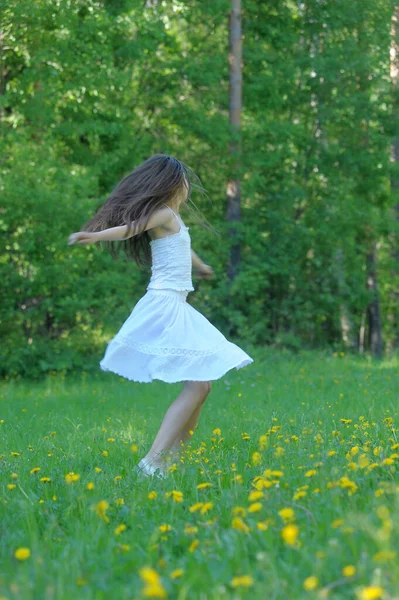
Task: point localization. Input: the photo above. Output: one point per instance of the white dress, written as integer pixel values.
(165, 337)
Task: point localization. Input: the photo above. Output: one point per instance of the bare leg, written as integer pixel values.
(176, 418)
(185, 435)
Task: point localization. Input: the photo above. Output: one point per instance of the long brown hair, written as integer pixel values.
(137, 196)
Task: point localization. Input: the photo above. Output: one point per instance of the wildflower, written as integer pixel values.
(152, 495)
(310, 473)
(255, 507)
(206, 506)
(240, 525)
(255, 495)
(111, 440)
(120, 529)
(196, 506)
(331, 453)
(290, 534)
(287, 514)
(256, 458)
(22, 553)
(176, 573)
(191, 529)
(217, 431)
(164, 528)
(310, 583)
(34, 470)
(15, 454)
(201, 486)
(348, 571)
(97, 469)
(337, 523)
(153, 587)
(194, 544)
(47, 479)
(101, 508)
(372, 592)
(349, 485)
(176, 495)
(242, 580)
(90, 485)
(71, 477)
(105, 453)
(134, 448)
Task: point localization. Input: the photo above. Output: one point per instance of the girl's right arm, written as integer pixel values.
(159, 217)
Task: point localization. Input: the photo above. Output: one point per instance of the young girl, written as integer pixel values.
(164, 337)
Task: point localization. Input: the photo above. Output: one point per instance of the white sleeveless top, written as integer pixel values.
(171, 260)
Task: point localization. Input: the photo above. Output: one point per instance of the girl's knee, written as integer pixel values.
(202, 387)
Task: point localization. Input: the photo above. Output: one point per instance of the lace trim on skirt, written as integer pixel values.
(147, 349)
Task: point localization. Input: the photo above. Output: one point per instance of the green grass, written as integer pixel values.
(295, 401)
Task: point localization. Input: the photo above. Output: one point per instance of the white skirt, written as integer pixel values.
(166, 338)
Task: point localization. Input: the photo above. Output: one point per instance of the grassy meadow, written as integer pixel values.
(288, 490)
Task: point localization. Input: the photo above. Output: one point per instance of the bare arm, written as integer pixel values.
(200, 268)
(159, 217)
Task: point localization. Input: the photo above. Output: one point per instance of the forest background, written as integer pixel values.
(89, 89)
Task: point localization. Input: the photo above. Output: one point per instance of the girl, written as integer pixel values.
(164, 337)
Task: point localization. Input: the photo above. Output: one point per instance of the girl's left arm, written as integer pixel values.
(200, 268)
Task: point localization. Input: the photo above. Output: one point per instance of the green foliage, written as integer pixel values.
(90, 89)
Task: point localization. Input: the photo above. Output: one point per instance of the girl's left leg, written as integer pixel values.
(184, 434)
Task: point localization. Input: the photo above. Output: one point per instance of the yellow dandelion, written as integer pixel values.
(255, 495)
(47, 479)
(11, 486)
(196, 506)
(90, 485)
(152, 495)
(104, 453)
(217, 431)
(34, 470)
(242, 581)
(255, 507)
(290, 534)
(190, 529)
(311, 583)
(111, 440)
(194, 544)
(176, 573)
(256, 458)
(201, 486)
(22, 553)
(240, 525)
(97, 469)
(372, 592)
(164, 528)
(71, 477)
(310, 473)
(120, 529)
(287, 514)
(175, 495)
(348, 571)
(101, 508)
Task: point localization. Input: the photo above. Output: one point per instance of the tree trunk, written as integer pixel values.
(373, 309)
(233, 185)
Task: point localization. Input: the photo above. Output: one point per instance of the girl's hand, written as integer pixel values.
(83, 237)
(205, 272)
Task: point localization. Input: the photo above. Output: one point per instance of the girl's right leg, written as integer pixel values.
(192, 397)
